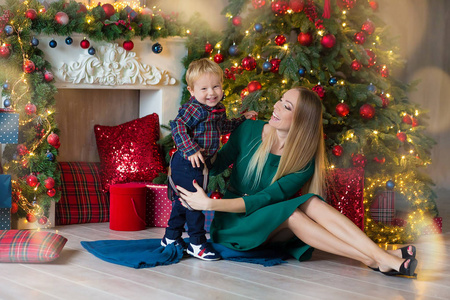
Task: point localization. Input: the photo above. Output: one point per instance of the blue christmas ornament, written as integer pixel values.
(267, 66)
(390, 185)
(5, 86)
(157, 48)
(233, 50)
(34, 42)
(91, 51)
(258, 27)
(69, 40)
(302, 71)
(372, 88)
(53, 44)
(332, 81)
(50, 156)
(8, 29)
(7, 102)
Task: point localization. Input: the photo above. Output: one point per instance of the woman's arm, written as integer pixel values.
(200, 201)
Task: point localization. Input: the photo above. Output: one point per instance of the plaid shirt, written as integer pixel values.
(198, 126)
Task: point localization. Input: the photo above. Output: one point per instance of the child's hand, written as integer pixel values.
(196, 158)
(250, 115)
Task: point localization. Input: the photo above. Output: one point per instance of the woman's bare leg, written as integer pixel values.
(318, 237)
(344, 229)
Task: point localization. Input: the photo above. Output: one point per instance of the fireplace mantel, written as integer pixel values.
(157, 76)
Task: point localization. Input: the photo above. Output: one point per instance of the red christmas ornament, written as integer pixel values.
(43, 220)
(32, 180)
(218, 58)
(368, 26)
(224, 138)
(359, 160)
(320, 90)
(253, 86)
(346, 4)
(48, 76)
(237, 20)
(51, 192)
(30, 109)
(383, 70)
(401, 136)
(414, 122)
(172, 151)
(53, 139)
(359, 38)
(62, 18)
(385, 100)
(4, 51)
(244, 93)
(305, 38)
(31, 218)
(280, 40)
(342, 109)
(275, 65)
(407, 119)
(128, 45)
(258, 3)
(296, 5)
(28, 66)
(356, 65)
(85, 44)
(81, 8)
(216, 195)
(367, 111)
(248, 63)
(280, 7)
(337, 150)
(208, 48)
(373, 5)
(14, 207)
(31, 14)
(372, 58)
(380, 160)
(49, 183)
(22, 149)
(328, 41)
(109, 10)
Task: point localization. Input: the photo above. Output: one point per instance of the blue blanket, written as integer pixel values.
(149, 253)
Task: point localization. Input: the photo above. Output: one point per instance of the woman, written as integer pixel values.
(271, 162)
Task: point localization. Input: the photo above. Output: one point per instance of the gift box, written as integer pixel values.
(346, 193)
(159, 207)
(9, 128)
(382, 208)
(435, 227)
(5, 202)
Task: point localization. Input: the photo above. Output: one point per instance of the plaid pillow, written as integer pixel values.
(82, 198)
(30, 246)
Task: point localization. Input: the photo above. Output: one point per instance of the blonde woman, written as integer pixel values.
(271, 162)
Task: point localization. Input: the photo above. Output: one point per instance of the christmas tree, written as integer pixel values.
(341, 50)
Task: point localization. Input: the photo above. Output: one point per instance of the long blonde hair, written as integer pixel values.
(303, 143)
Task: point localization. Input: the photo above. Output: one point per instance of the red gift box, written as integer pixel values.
(346, 193)
(382, 208)
(435, 227)
(158, 205)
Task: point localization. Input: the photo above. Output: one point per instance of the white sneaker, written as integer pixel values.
(202, 251)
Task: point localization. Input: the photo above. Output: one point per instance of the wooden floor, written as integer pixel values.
(79, 275)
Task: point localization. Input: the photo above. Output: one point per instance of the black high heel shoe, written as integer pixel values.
(405, 252)
(405, 271)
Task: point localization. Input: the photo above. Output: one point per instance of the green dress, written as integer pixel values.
(267, 205)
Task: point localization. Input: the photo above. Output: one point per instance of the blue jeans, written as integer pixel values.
(182, 174)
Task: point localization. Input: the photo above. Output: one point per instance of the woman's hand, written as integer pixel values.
(197, 200)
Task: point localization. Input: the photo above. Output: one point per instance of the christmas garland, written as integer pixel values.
(28, 88)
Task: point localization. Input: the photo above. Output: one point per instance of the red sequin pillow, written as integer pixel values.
(128, 152)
